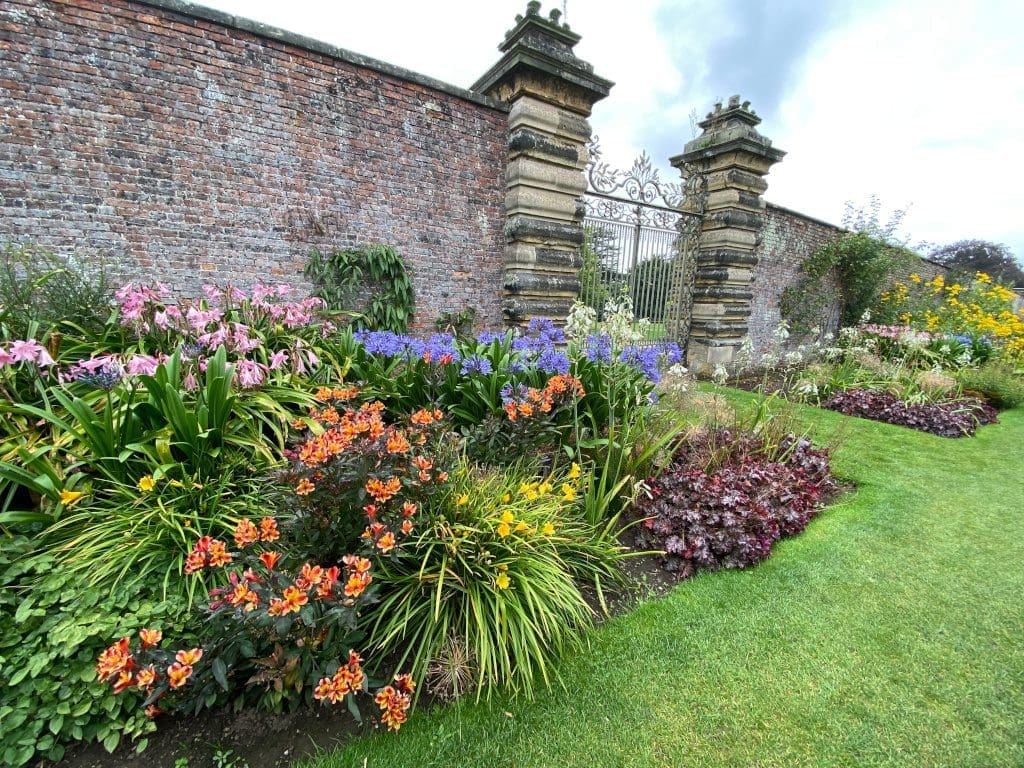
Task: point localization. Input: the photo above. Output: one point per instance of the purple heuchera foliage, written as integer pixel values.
(950, 418)
(730, 516)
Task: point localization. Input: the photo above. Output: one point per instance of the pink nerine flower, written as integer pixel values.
(278, 359)
(142, 365)
(28, 350)
(250, 373)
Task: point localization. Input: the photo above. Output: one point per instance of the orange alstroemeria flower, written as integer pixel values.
(115, 659)
(270, 559)
(268, 529)
(178, 674)
(219, 555)
(189, 657)
(150, 637)
(146, 677)
(294, 599)
(246, 533)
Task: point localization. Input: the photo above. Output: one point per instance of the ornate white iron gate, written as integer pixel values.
(641, 242)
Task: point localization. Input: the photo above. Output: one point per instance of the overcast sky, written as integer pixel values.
(918, 102)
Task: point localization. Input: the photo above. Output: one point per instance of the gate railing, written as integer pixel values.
(640, 243)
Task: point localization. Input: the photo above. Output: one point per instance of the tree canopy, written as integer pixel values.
(971, 256)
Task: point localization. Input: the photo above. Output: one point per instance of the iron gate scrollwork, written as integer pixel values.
(641, 241)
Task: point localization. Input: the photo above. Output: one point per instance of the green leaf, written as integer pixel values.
(110, 743)
(23, 612)
(220, 673)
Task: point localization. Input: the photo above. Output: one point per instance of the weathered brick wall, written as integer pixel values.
(787, 240)
(191, 147)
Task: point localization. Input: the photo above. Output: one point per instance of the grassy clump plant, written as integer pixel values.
(495, 566)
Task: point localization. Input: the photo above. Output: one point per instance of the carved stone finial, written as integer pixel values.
(554, 15)
(734, 101)
(519, 17)
(718, 107)
(746, 105)
(533, 8)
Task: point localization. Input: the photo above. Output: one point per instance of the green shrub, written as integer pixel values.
(39, 287)
(52, 627)
(998, 381)
(343, 278)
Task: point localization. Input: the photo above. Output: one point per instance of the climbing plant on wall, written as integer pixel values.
(342, 278)
(861, 265)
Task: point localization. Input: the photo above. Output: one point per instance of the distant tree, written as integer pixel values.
(971, 256)
(650, 282)
(598, 277)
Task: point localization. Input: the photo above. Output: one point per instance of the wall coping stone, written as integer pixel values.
(185, 8)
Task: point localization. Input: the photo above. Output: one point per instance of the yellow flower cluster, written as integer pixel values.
(982, 308)
(507, 524)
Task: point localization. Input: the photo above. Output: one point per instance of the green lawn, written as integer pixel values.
(890, 633)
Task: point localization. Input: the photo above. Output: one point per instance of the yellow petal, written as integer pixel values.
(67, 498)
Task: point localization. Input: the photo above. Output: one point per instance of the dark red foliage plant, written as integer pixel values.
(729, 514)
(949, 418)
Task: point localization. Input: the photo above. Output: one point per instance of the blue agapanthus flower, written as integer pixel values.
(644, 359)
(544, 329)
(552, 361)
(441, 344)
(383, 343)
(107, 376)
(476, 364)
(513, 392)
(598, 348)
(488, 337)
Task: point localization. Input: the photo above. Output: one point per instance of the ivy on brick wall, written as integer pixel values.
(342, 278)
(861, 265)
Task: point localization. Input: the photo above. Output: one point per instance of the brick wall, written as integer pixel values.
(191, 147)
(787, 240)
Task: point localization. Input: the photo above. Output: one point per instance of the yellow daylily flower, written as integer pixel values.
(147, 483)
(502, 581)
(67, 498)
(507, 517)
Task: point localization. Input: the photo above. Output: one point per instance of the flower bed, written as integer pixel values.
(344, 466)
(948, 418)
(726, 498)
